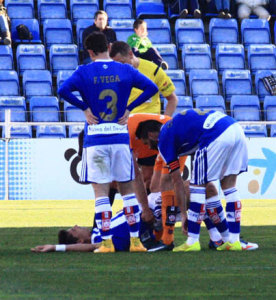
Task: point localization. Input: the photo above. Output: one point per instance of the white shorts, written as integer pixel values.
(226, 155)
(105, 163)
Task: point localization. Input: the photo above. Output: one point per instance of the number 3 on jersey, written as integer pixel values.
(112, 105)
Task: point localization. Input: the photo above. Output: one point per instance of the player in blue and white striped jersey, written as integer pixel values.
(220, 153)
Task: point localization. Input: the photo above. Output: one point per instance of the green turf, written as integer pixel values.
(203, 275)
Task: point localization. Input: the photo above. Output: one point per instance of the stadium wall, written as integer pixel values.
(46, 169)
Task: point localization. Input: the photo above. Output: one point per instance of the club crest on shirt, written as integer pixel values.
(105, 66)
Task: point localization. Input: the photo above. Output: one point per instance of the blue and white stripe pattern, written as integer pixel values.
(103, 215)
(132, 214)
(200, 167)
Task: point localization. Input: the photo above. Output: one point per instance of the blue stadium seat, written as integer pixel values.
(63, 57)
(261, 91)
(20, 131)
(57, 32)
(223, 31)
(51, 9)
(255, 31)
(83, 9)
(159, 31)
(32, 25)
(184, 102)
(229, 56)
(169, 54)
(189, 31)
(203, 82)
(261, 57)
(273, 130)
(236, 82)
(6, 58)
(9, 83)
(178, 79)
(81, 25)
(74, 130)
(44, 109)
(20, 9)
(270, 108)
(211, 102)
(196, 56)
(30, 57)
(245, 107)
(17, 105)
(252, 131)
(146, 8)
(123, 28)
(118, 9)
(72, 113)
(50, 131)
(37, 83)
(61, 77)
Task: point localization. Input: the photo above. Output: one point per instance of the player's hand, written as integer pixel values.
(123, 120)
(184, 224)
(43, 248)
(90, 118)
(147, 215)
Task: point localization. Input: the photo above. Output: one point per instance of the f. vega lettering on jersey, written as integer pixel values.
(106, 79)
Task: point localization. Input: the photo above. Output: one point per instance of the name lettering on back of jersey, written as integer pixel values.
(106, 79)
(212, 119)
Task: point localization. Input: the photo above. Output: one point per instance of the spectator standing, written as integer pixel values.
(100, 24)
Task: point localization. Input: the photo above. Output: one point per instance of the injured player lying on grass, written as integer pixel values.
(82, 239)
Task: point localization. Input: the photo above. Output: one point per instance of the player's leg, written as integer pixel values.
(123, 172)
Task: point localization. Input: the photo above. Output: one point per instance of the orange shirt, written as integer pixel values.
(141, 150)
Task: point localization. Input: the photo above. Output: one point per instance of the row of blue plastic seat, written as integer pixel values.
(187, 31)
(47, 109)
(201, 82)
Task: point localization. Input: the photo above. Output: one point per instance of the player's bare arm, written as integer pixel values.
(172, 103)
(72, 248)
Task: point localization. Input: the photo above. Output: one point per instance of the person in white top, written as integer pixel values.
(257, 7)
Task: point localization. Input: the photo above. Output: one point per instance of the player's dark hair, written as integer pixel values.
(119, 47)
(147, 126)
(96, 42)
(100, 12)
(64, 237)
(137, 23)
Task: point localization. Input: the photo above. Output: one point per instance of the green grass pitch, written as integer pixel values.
(203, 275)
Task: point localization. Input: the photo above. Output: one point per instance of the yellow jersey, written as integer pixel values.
(161, 79)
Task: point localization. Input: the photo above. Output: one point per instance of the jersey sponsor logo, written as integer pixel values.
(213, 214)
(130, 216)
(106, 220)
(201, 214)
(110, 128)
(238, 211)
(212, 119)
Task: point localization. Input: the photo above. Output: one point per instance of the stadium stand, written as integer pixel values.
(189, 31)
(72, 113)
(270, 108)
(9, 83)
(6, 58)
(37, 83)
(33, 27)
(169, 54)
(255, 31)
(253, 131)
(83, 9)
(184, 102)
(229, 56)
(215, 102)
(273, 131)
(118, 9)
(146, 8)
(20, 9)
(261, 91)
(203, 82)
(57, 31)
(159, 31)
(196, 56)
(63, 57)
(261, 57)
(50, 131)
(80, 26)
(178, 78)
(245, 108)
(30, 57)
(236, 82)
(223, 31)
(74, 130)
(19, 131)
(44, 109)
(123, 28)
(17, 105)
(51, 9)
